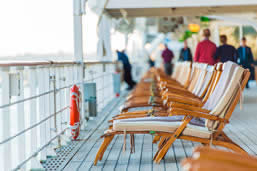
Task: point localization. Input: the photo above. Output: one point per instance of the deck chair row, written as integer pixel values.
(194, 104)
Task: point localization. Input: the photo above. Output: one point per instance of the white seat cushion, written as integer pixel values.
(159, 125)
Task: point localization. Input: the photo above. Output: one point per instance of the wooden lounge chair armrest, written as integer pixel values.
(179, 111)
(177, 91)
(183, 95)
(187, 107)
(189, 101)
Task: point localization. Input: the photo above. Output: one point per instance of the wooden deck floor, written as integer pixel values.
(243, 130)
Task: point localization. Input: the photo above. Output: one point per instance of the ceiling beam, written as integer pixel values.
(120, 4)
(197, 11)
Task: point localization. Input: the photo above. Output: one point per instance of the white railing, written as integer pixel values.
(34, 107)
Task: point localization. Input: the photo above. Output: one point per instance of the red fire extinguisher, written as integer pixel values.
(74, 112)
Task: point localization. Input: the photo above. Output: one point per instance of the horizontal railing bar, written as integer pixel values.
(35, 63)
(26, 99)
(36, 96)
(40, 149)
(33, 126)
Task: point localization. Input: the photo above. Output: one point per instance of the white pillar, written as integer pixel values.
(217, 35)
(78, 46)
(241, 34)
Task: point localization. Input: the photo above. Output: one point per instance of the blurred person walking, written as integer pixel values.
(127, 69)
(205, 50)
(167, 56)
(185, 53)
(226, 52)
(246, 58)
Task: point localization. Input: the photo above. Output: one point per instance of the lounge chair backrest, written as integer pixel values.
(180, 77)
(189, 66)
(176, 71)
(185, 73)
(234, 100)
(225, 99)
(201, 78)
(214, 81)
(207, 80)
(228, 69)
(194, 80)
(191, 74)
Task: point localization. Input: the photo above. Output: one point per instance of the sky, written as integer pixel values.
(45, 28)
(41, 27)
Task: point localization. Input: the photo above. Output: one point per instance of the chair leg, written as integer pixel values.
(106, 145)
(160, 145)
(156, 139)
(162, 142)
(171, 139)
(103, 147)
(162, 152)
(230, 145)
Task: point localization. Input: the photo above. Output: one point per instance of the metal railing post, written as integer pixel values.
(21, 140)
(42, 111)
(51, 96)
(34, 144)
(61, 95)
(5, 150)
(49, 149)
(55, 129)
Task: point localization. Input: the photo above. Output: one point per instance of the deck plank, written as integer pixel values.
(123, 159)
(135, 158)
(147, 154)
(160, 166)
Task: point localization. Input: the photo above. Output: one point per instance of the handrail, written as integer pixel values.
(33, 126)
(36, 96)
(46, 62)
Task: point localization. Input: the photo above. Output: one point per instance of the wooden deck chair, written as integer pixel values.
(216, 119)
(206, 158)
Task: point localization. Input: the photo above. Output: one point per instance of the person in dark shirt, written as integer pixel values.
(246, 57)
(185, 53)
(167, 56)
(127, 69)
(225, 52)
